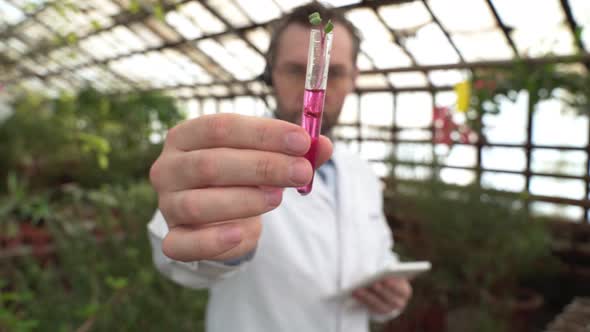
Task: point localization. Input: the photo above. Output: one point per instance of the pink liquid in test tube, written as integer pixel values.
(315, 91)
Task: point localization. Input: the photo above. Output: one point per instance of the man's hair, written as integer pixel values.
(300, 15)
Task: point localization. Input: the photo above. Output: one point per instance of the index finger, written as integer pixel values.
(240, 132)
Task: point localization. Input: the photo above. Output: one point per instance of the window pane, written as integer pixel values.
(559, 162)
(377, 108)
(457, 176)
(412, 172)
(511, 159)
(414, 109)
(548, 186)
(414, 152)
(509, 126)
(375, 150)
(503, 181)
(349, 110)
(461, 155)
(550, 122)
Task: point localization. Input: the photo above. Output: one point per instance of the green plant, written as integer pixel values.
(475, 238)
(89, 138)
(100, 276)
(540, 81)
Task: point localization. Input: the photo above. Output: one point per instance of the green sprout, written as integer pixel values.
(316, 19)
(329, 26)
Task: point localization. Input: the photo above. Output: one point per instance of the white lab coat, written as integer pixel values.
(307, 252)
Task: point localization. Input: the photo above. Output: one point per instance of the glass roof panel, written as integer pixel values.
(96, 46)
(10, 14)
(339, 3)
(106, 7)
(260, 11)
(230, 12)
(406, 16)
(480, 17)
(204, 19)
(188, 72)
(581, 12)
(536, 42)
(129, 39)
(367, 22)
(240, 50)
(16, 45)
(287, 5)
(517, 14)
(488, 45)
(33, 66)
(220, 55)
(183, 25)
(35, 34)
(260, 38)
(27, 5)
(163, 30)
(68, 57)
(385, 55)
(146, 35)
(430, 46)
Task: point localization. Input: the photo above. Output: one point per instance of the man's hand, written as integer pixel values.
(218, 173)
(385, 295)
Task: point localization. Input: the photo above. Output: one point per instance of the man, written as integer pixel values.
(274, 259)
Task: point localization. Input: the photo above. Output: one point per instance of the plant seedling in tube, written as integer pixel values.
(318, 62)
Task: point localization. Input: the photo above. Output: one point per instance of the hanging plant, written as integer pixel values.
(540, 81)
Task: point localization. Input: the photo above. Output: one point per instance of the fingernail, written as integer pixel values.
(231, 235)
(274, 197)
(298, 172)
(296, 142)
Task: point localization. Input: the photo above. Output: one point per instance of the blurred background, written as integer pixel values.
(474, 113)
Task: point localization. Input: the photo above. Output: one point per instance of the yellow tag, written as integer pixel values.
(463, 91)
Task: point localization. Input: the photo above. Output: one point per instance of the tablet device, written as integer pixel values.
(398, 269)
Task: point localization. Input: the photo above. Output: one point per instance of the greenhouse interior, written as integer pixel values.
(138, 136)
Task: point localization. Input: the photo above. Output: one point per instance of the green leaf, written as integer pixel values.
(315, 18)
(89, 309)
(116, 283)
(103, 162)
(71, 38)
(329, 27)
(159, 12)
(134, 6)
(95, 25)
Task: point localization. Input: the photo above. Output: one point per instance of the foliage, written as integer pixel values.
(541, 81)
(88, 138)
(476, 239)
(109, 284)
(76, 166)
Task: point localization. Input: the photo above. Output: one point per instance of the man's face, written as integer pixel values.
(289, 70)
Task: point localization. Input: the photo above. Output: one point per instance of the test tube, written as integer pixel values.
(318, 62)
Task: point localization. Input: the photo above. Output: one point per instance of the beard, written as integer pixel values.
(329, 119)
